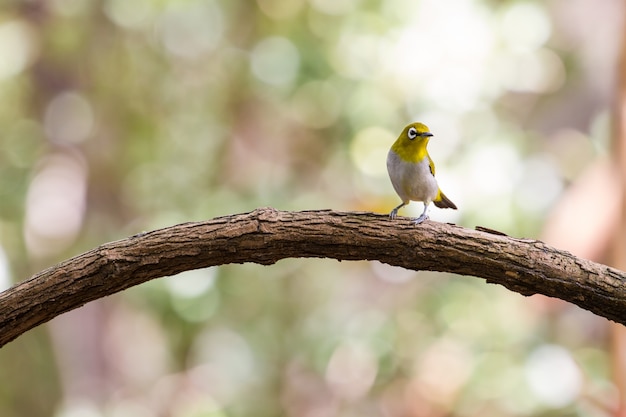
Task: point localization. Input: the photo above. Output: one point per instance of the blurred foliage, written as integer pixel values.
(121, 116)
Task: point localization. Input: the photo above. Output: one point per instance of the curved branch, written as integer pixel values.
(266, 235)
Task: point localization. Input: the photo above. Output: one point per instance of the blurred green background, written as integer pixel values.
(121, 116)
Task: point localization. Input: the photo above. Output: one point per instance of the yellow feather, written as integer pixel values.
(413, 150)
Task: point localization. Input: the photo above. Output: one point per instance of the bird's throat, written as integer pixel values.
(412, 152)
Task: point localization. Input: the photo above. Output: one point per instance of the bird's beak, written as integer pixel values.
(426, 134)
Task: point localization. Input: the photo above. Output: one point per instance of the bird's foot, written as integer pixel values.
(420, 219)
(393, 214)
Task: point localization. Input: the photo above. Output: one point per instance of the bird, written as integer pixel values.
(412, 171)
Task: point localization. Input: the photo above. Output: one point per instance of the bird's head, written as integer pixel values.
(416, 132)
(411, 144)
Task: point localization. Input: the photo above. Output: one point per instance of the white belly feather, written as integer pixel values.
(412, 181)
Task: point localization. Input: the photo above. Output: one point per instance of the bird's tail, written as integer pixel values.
(442, 201)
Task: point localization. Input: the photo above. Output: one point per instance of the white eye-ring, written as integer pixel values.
(412, 133)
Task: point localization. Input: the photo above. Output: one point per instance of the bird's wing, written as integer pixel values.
(431, 164)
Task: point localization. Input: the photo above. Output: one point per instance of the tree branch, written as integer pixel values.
(266, 235)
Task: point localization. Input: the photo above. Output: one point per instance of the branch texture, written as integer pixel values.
(266, 235)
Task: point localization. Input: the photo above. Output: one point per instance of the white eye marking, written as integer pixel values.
(412, 133)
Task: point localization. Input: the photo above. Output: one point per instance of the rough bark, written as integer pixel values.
(266, 235)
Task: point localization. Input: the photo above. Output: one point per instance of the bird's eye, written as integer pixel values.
(412, 133)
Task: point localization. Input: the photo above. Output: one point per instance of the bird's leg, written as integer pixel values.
(394, 212)
(422, 216)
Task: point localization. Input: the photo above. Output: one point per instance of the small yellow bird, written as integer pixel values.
(412, 172)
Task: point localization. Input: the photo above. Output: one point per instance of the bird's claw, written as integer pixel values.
(420, 219)
(393, 214)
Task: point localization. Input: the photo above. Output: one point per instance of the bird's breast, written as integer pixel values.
(411, 180)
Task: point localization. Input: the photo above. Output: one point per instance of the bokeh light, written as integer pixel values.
(553, 375)
(18, 44)
(5, 276)
(190, 29)
(68, 118)
(55, 204)
(275, 60)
